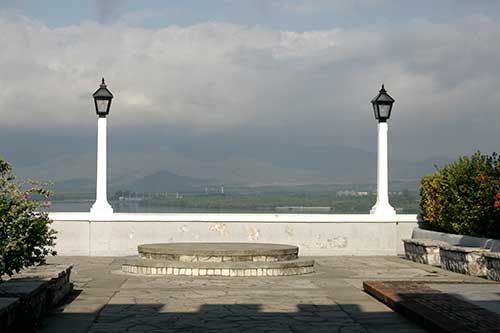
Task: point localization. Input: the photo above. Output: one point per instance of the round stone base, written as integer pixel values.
(218, 259)
(230, 269)
(218, 252)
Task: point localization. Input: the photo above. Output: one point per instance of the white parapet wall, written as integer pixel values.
(315, 234)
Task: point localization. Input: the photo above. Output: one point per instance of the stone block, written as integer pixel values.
(424, 251)
(225, 272)
(492, 261)
(8, 309)
(463, 260)
(210, 258)
(185, 258)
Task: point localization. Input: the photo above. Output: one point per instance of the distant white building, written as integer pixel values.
(351, 193)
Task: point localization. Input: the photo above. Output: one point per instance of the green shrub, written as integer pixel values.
(463, 197)
(25, 235)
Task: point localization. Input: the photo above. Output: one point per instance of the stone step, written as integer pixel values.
(143, 266)
(218, 252)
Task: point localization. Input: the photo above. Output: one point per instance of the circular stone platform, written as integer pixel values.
(218, 252)
(218, 259)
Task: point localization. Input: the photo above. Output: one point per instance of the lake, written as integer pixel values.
(134, 207)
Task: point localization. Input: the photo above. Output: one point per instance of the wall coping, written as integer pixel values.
(236, 217)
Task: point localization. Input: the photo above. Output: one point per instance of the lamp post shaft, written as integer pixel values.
(101, 207)
(382, 206)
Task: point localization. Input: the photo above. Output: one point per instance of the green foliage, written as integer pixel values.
(25, 235)
(269, 201)
(463, 197)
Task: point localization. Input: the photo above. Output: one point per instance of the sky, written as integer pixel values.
(250, 73)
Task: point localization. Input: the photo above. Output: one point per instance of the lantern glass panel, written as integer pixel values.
(384, 110)
(102, 105)
(375, 110)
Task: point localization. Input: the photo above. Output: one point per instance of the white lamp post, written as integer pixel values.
(102, 100)
(382, 106)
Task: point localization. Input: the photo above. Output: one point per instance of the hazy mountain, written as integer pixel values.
(157, 168)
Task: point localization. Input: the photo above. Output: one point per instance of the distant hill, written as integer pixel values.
(165, 181)
(160, 168)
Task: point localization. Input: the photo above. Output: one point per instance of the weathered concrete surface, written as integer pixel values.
(314, 234)
(330, 300)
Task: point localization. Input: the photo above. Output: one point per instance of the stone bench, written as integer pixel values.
(465, 260)
(458, 253)
(492, 262)
(459, 259)
(26, 296)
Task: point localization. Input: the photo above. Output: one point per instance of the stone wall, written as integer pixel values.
(315, 234)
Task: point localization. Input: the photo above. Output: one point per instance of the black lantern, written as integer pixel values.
(382, 105)
(102, 100)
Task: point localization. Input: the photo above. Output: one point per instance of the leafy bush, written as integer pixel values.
(25, 235)
(463, 197)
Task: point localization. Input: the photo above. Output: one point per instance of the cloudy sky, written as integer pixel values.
(250, 72)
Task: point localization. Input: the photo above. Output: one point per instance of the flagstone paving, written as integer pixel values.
(330, 300)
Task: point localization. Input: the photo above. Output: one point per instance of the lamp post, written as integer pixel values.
(382, 106)
(102, 100)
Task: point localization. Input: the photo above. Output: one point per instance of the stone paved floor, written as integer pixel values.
(330, 300)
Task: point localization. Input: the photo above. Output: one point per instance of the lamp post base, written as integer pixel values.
(101, 210)
(383, 210)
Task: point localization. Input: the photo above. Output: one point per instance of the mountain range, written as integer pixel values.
(157, 169)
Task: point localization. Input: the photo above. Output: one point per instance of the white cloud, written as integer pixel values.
(214, 77)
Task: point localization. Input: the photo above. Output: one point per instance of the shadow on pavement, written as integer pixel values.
(225, 318)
